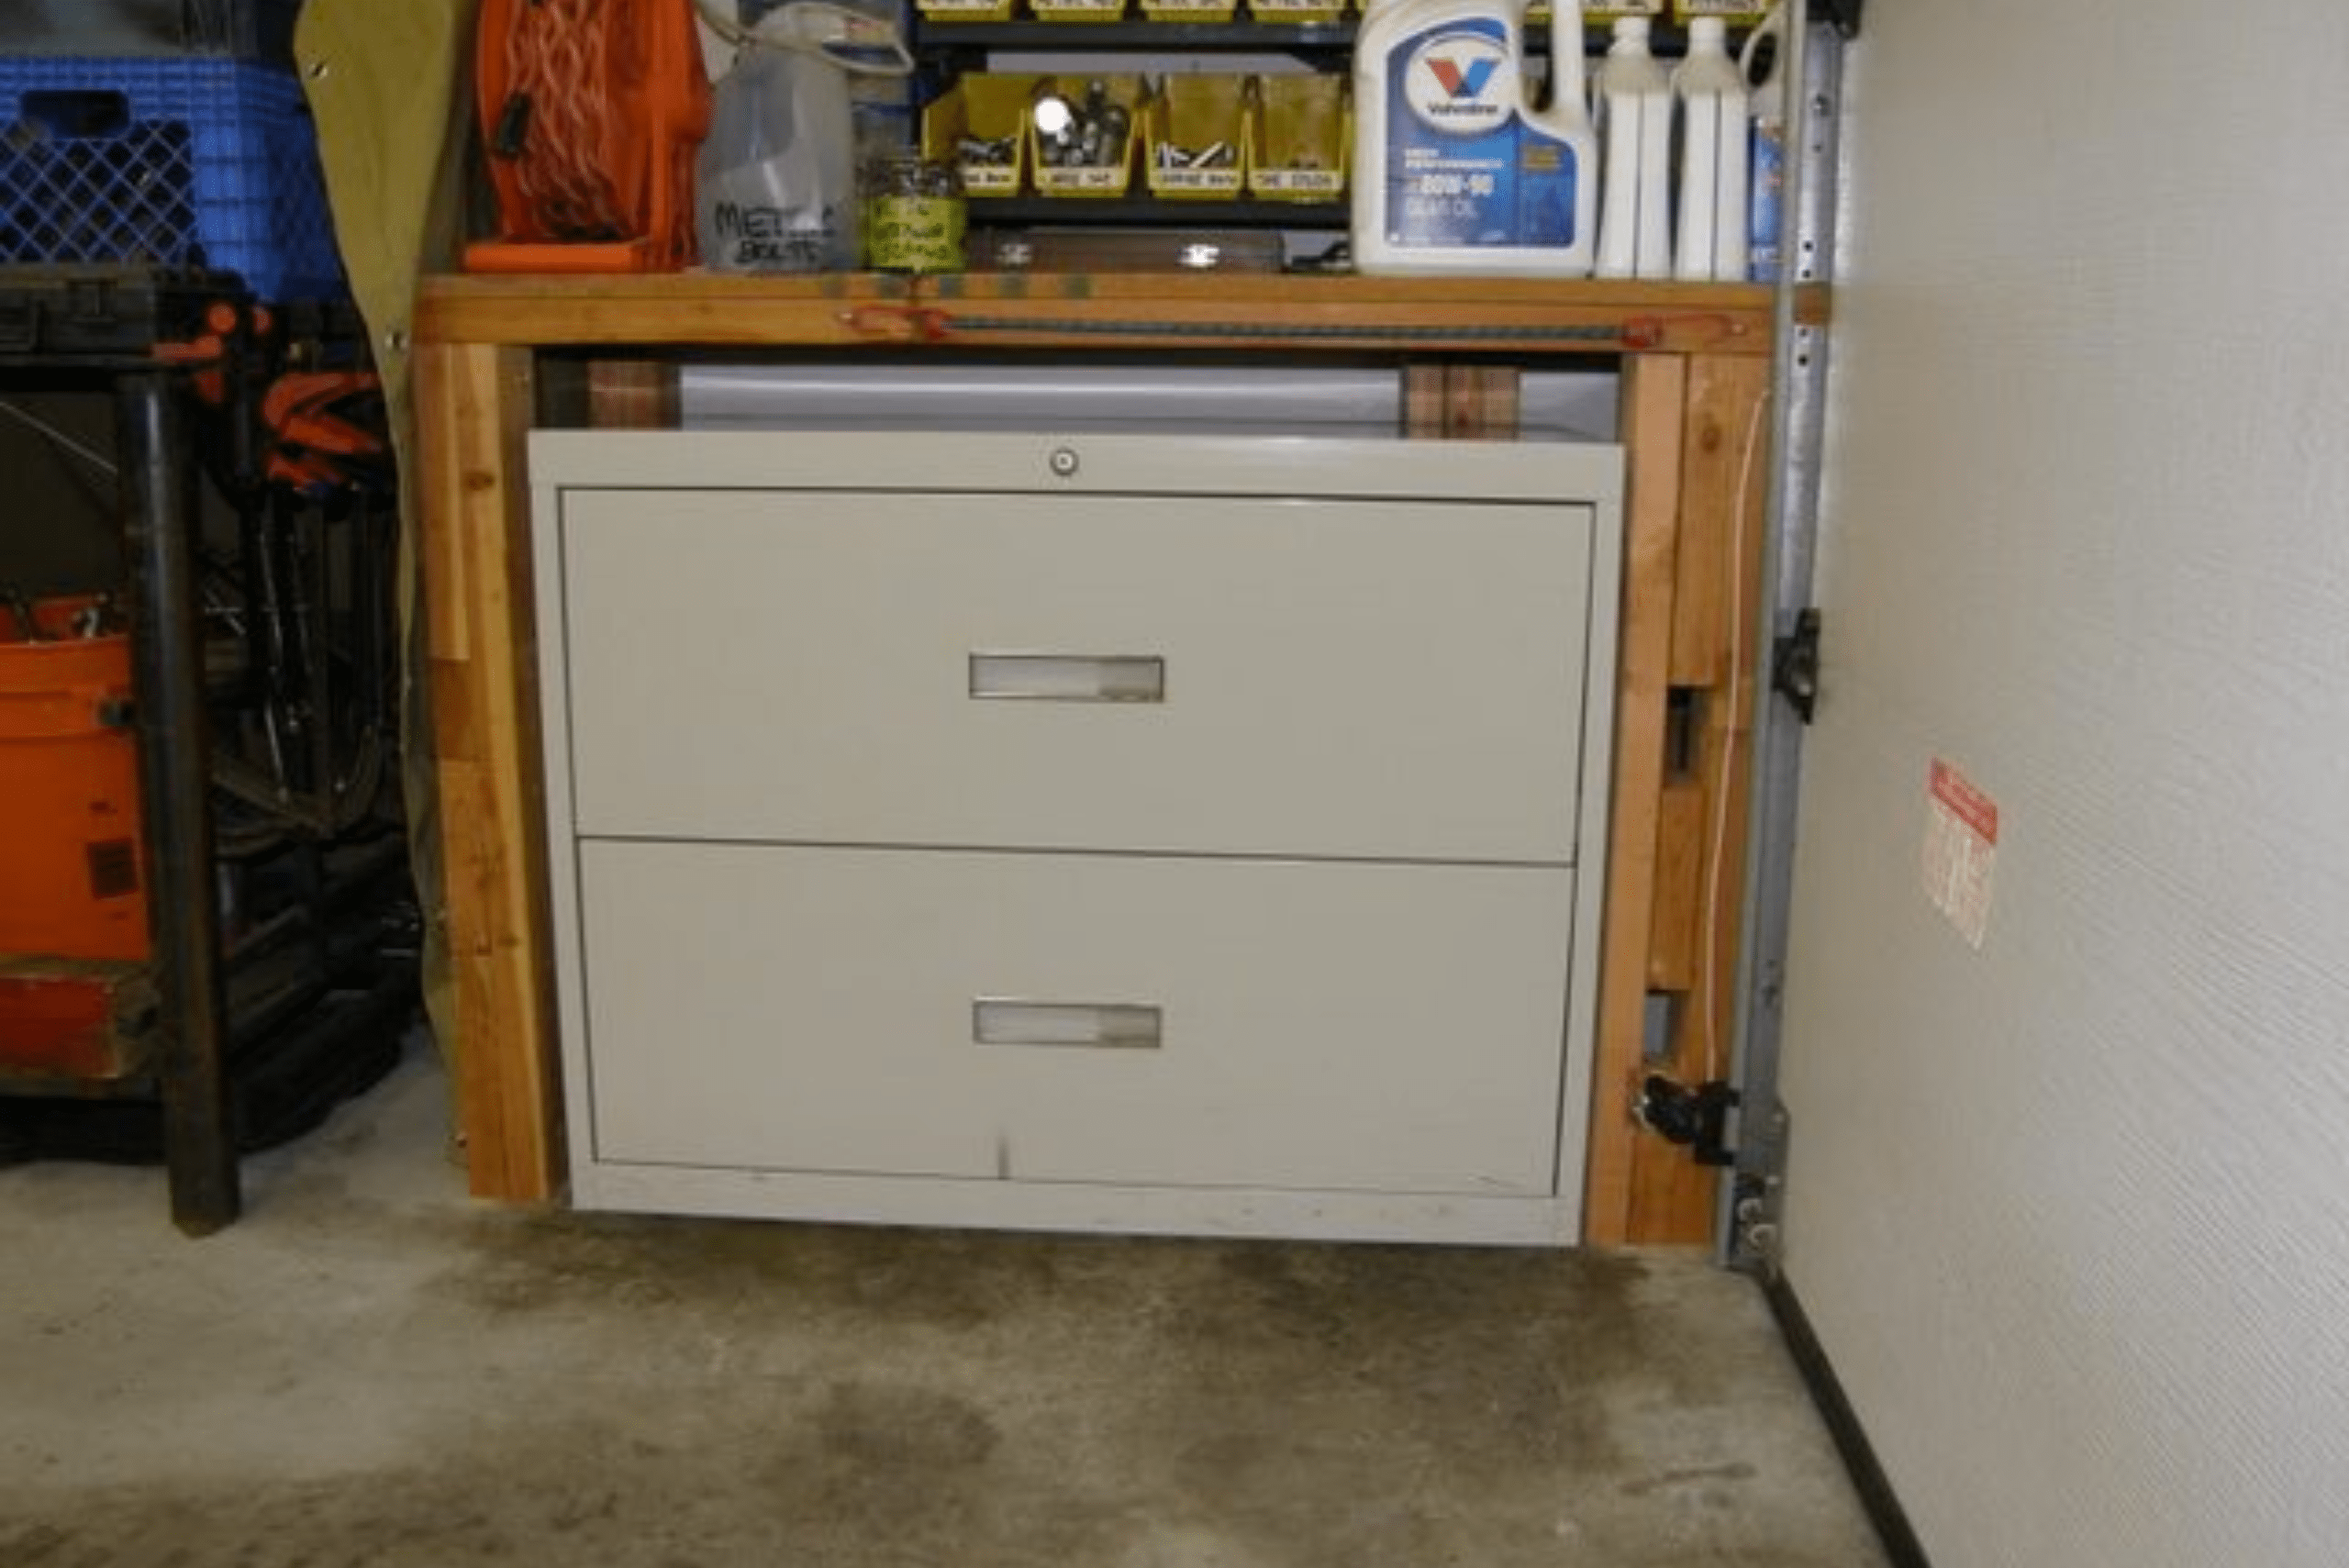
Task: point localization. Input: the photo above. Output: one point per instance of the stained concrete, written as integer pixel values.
(373, 1370)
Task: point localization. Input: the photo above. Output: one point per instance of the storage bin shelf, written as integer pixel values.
(1137, 36)
(1156, 212)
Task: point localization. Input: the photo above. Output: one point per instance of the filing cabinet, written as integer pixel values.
(1144, 833)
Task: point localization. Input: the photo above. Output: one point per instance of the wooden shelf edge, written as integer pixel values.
(1231, 310)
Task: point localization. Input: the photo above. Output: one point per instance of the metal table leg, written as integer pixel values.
(159, 518)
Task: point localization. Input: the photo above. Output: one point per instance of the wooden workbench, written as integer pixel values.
(496, 356)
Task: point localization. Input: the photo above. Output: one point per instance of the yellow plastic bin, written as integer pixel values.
(966, 10)
(1077, 10)
(1112, 174)
(1300, 136)
(1197, 142)
(980, 125)
(1190, 10)
(1296, 13)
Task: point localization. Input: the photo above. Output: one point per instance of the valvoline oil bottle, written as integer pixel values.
(1456, 170)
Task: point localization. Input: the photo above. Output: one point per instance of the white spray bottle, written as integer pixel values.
(1710, 241)
(1634, 103)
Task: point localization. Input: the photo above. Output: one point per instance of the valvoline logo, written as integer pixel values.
(1464, 83)
(1458, 82)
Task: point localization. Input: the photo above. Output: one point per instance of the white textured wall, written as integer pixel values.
(2072, 1214)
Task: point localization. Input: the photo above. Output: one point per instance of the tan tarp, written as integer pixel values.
(389, 82)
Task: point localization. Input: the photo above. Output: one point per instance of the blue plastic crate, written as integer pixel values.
(189, 163)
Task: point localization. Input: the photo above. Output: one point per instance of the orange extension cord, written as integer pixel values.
(591, 111)
(558, 59)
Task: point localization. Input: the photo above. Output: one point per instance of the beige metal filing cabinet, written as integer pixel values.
(1141, 833)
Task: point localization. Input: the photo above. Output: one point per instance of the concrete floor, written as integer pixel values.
(370, 1369)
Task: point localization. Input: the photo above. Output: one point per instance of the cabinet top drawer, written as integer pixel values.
(1317, 668)
(1088, 465)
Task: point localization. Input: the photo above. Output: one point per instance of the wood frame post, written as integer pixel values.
(474, 405)
(1653, 399)
(1698, 446)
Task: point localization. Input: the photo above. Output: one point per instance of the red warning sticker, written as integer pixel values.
(1960, 850)
(1977, 810)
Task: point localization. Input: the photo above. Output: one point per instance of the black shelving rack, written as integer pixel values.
(251, 1035)
(934, 38)
(946, 49)
(1139, 36)
(1140, 211)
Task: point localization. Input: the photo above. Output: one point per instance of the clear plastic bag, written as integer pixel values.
(775, 183)
(776, 189)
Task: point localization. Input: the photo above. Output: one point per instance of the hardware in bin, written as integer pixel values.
(980, 125)
(1082, 135)
(1196, 131)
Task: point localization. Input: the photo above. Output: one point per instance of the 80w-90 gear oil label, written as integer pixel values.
(1462, 166)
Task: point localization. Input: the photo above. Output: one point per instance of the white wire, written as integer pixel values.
(727, 24)
(819, 27)
(1711, 928)
(43, 428)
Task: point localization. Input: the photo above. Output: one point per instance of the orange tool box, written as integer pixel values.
(62, 1018)
(72, 872)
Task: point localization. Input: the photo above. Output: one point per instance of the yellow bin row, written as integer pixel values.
(1195, 137)
(1279, 13)
(1306, 13)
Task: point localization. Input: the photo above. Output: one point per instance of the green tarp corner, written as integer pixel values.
(389, 81)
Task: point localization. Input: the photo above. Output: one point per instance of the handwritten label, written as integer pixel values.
(915, 234)
(753, 238)
(1094, 180)
(1298, 181)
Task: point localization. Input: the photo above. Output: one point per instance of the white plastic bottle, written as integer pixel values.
(1634, 121)
(1765, 229)
(1454, 170)
(1710, 237)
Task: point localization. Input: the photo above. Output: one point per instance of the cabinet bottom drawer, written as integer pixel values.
(1017, 1020)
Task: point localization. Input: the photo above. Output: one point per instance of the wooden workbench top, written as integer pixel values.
(1106, 311)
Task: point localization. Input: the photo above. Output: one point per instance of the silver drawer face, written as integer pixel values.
(1393, 678)
(1057, 1018)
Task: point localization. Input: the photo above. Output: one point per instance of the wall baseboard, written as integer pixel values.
(1877, 1496)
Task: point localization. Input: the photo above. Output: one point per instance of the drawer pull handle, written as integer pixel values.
(1068, 677)
(1000, 1020)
